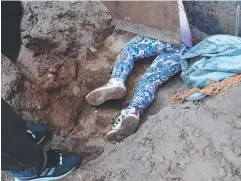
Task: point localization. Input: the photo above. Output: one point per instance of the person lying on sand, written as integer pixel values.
(165, 65)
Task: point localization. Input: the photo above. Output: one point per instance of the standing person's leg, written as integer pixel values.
(18, 151)
(23, 158)
(162, 69)
(21, 155)
(138, 48)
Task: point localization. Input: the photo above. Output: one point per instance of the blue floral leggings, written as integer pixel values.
(165, 65)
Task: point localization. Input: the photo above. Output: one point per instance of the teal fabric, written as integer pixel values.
(217, 57)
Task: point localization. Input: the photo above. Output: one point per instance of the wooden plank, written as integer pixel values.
(156, 19)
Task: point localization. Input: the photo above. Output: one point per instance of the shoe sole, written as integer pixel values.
(100, 95)
(51, 178)
(129, 126)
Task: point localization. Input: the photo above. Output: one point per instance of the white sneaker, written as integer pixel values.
(114, 89)
(125, 125)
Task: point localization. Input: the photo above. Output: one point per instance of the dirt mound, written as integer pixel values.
(192, 141)
(58, 31)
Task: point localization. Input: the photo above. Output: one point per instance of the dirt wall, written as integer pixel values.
(57, 38)
(50, 81)
(58, 66)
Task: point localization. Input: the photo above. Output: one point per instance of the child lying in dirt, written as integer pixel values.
(165, 65)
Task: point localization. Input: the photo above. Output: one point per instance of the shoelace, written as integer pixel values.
(116, 123)
(119, 119)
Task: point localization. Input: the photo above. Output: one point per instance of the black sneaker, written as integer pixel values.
(59, 164)
(37, 132)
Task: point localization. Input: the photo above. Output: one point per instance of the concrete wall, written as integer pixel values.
(213, 17)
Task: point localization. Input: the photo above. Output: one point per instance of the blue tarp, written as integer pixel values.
(217, 57)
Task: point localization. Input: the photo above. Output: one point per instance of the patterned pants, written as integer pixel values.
(165, 65)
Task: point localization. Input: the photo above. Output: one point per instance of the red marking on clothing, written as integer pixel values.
(136, 112)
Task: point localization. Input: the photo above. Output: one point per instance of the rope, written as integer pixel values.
(213, 88)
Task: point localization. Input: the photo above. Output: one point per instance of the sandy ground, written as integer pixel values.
(198, 141)
(58, 66)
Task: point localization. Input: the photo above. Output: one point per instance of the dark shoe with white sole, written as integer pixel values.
(59, 164)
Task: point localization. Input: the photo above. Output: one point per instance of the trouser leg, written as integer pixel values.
(138, 48)
(161, 70)
(18, 151)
